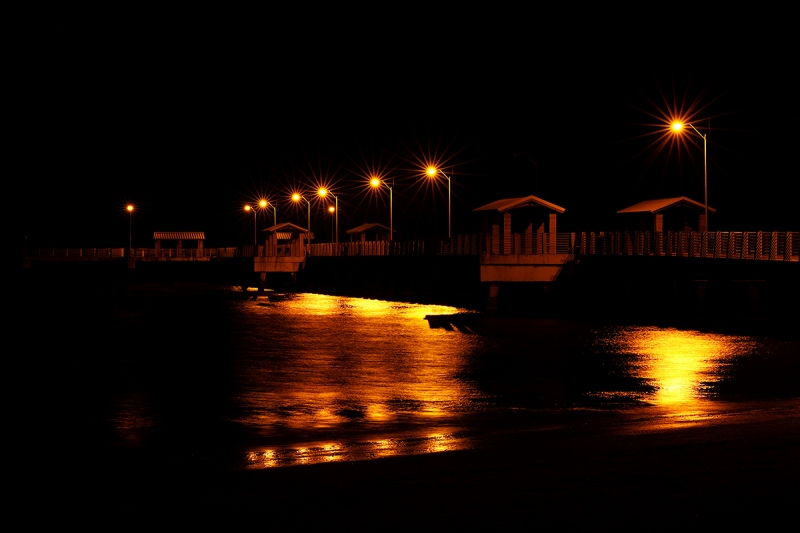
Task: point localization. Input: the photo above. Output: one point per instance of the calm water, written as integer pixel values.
(304, 378)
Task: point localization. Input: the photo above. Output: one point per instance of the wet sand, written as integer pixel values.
(590, 473)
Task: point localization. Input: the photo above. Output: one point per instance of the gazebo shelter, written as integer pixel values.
(286, 239)
(179, 237)
(666, 214)
(532, 216)
(363, 232)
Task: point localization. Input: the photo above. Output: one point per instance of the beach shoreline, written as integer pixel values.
(579, 476)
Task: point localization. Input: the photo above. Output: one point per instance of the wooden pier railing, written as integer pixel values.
(462, 244)
(754, 245)
(139, 254)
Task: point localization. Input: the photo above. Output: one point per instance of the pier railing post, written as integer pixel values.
(745, 246)
(759, 245)
(773, 246)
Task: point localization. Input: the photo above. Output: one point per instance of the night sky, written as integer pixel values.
(191, 116)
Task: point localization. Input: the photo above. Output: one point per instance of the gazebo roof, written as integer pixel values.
(285, 230)
(501, 206)
(285, 226)
(179, 236)
(661, 204)
(372, 226)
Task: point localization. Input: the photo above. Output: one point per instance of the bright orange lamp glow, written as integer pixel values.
(322, 192)
(262, 204)
(129, 208)
(297, 197)
(376, 182)
(247, 208)
(431, 171)
(677, 127)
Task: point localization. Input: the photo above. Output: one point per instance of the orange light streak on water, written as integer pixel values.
(387, 364)
(680, 365)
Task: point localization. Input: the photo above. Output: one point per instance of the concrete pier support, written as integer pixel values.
(262, 278)
(491, 304)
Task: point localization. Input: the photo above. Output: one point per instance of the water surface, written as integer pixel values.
(304, 378)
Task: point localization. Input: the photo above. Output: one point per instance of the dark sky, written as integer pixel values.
(189, 117)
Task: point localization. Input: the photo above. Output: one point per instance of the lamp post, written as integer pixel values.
(331, 210)
(677, 127)
(432, 171)
(323, 192)
(129, 208)
(375, 183)
(248, 209)
(296, 197)
(264, 204)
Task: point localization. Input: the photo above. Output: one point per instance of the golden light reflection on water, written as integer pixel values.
(336, 360)
(355, 450)
(679, 365)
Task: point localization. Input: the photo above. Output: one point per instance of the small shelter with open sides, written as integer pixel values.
(286, 239)
(370, 232)
(179, 237)
(666, 214)
(532, 218)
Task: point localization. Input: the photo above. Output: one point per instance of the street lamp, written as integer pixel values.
(431, 172)
(129, 208)
(296, 198)
(375, 183)
(323, 192)
(264, 204)
(248, 209)
(331, 210)
(677, 127)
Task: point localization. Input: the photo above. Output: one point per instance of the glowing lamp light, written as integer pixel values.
(431, 171)
(262, 204)
(322, 192)
(129, 208)
(376, 182)
(247, 209)
(297, 197)
(677, 127)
